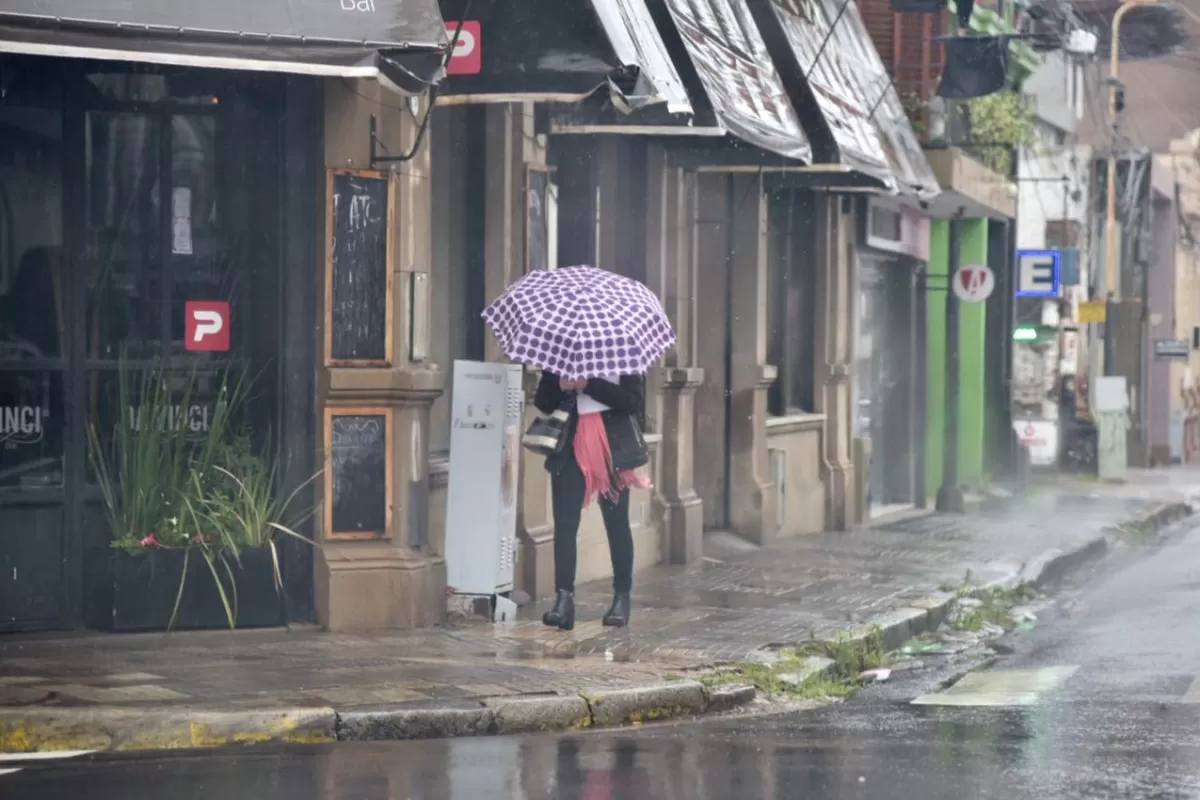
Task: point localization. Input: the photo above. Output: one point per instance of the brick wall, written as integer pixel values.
(907, 43)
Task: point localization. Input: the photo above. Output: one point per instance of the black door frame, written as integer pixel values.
(298, 129)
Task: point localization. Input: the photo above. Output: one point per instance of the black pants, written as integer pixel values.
(567, 489)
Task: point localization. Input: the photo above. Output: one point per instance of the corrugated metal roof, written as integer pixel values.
(897, 136)
(741, 80)
(636, 40)
(838, 90)
(550, 51)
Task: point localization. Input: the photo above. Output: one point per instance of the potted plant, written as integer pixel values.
(195, 523)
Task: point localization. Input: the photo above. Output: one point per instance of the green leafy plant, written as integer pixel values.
(212, 498)
(999, 123)
(799, 672)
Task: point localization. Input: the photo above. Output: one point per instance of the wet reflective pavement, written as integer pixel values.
(1124, 722)
(725, 608)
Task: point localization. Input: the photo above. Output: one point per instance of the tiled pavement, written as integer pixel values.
(722, 609)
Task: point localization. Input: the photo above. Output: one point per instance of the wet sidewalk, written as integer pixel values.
(737, 601)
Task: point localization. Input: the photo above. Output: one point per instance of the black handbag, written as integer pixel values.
(547, 435)
(626, 444)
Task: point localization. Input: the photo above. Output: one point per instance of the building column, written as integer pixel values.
(671, 388)
(752, 493)
(835, 360)
(397, 582)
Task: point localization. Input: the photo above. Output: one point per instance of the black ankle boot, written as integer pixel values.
(618, 613)
(563, 613)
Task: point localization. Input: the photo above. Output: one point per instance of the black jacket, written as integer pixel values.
(626, 397)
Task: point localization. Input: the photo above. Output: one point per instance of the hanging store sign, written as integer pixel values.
(974, 283)
(1039, 273)
(1172, 349)
(467, 58)
(1092, 312)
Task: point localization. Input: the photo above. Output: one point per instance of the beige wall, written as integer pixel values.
(671, 226)
(794, 443)
(383, 584)
(647, 245)
(1185, 160)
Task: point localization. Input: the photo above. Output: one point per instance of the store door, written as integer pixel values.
(34, 381)
(885, 379)
(115, 213)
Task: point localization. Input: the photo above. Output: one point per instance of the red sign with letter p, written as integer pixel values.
(206, 326)
(468, 52)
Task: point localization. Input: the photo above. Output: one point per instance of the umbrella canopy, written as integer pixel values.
(581, 322)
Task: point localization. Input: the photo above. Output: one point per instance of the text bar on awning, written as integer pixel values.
(398, 41)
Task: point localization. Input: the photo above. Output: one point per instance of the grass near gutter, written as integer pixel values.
(814, 669)
(832, 669)
(1139, 533)
(977, 607)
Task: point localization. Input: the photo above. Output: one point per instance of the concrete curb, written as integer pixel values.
(898, 626)
(508, 715)
(131, 729)
(28, 730)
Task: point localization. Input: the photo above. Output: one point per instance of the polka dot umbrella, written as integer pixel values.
(581, 322)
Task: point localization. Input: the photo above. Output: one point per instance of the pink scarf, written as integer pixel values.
(595, 462)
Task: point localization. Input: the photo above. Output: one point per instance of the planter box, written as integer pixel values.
(137, 592)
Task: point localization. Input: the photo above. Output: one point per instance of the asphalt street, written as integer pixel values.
(1100, 700)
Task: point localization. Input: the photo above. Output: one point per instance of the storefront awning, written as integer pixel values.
(743, 86)
(398, 41)
(817, 73)
(566, 51)
(914, 177)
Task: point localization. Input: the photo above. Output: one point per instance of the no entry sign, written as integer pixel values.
(974, 283)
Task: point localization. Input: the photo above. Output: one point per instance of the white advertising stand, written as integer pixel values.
(486, 416)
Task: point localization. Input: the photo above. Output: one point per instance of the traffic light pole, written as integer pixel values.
(1110, 179)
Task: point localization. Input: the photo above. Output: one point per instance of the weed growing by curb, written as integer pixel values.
(1138, 532)
(805, 671)
(991, 606)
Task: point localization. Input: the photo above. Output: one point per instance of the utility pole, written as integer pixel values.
(949, 495)
(1110, 182)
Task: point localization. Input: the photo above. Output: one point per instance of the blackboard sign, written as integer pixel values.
(537, 220)
(358, 473)
(360, 208)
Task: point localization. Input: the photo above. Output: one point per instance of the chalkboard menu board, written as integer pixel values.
(537, 220)
(360, 209)
(358, 473)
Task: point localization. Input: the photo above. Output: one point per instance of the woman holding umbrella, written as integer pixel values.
(582, 471)
(593, 334)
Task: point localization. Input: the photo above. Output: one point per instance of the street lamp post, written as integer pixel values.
(1110, 180)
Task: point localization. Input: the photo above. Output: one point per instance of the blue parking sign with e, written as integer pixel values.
(1039, 273)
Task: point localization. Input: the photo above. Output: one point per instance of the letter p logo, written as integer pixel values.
(207, 326)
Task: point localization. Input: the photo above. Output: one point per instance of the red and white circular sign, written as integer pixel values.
(974, 283)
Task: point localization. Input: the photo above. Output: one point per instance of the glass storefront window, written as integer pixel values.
(123, 253)
(32, 429)
(32, 313)
(205, 261)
